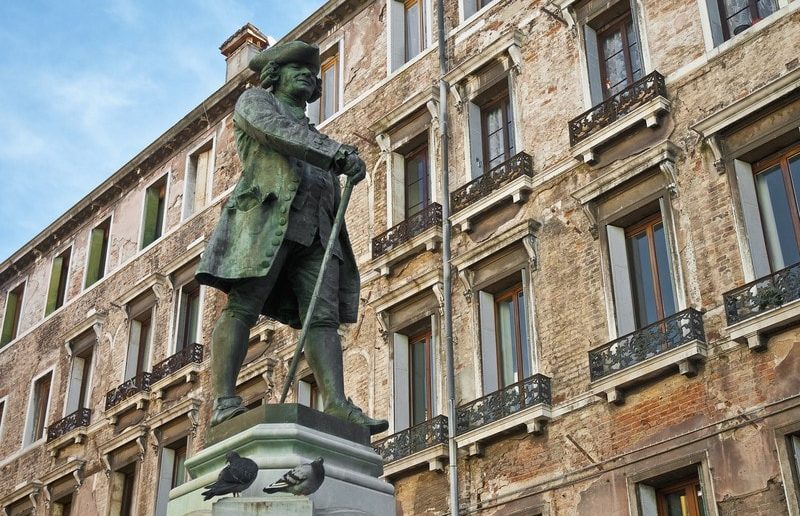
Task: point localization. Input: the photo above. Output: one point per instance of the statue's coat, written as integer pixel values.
(274, 145)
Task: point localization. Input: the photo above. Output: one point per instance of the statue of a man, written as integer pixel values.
(267, 248)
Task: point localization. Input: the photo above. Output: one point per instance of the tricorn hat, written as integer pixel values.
(292, 52)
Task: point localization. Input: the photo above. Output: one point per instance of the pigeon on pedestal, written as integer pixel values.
(302, 480)
(238, 475)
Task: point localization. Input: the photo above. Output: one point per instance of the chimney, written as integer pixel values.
(240, 48)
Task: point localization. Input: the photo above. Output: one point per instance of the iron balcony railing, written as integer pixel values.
(516, 397)
(78, 419)
(763, 294)
(609, 111)
(430, 216)
(140, 382)
(652, 340)
(192, 353)
(412, 440)
(520, 164)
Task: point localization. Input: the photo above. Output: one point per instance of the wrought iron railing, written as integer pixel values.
(140, 382)
(763, 294)
(429, 217)
(78, 419)
(636, 347)
(412, 440)
(520, 164)
(531, 391)
(192, 353)
(604, 114)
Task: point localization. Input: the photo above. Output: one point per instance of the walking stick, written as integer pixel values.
(337, 226)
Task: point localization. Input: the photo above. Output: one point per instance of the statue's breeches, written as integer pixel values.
(300, 263)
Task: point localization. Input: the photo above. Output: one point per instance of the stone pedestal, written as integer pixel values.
(278, 438)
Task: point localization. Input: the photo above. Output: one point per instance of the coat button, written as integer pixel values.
(265, 263)
(276, 241)
(292, 188)
(283, 221)
(287, 197)
(283, 209)
(270, 252)
(279, 232)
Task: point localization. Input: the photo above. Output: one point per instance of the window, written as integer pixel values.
(155, 200)
(793, 442)
(80, 378)
(473, 6)
(408, 30)
(140, 336)
(98, 252)
(676, 493)
(417, 182)
(308, 393)
(777, 180)
(57, 291)
(614, 56)
(330, 75)
(13, 311)
(414, 366)
(63, 506)
(2, 413)
(123, 485)
(641, 268)
(504, 335)
(37, 411)
(497, 130)
(187, 316)
(739, 15)
(172, 472)
(199, 174)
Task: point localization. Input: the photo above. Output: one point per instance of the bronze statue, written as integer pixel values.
(267, 248)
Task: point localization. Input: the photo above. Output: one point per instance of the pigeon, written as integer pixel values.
(238, 475)
(302, 480)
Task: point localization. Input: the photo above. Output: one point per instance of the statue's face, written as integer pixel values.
(297, 80)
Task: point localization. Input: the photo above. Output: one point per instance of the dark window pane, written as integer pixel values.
(418, 382)
(766, 7)
(776, 218)
(329, 92)
(676, 504)
(413, 35)
(506, 335)
(416, 181)
(523, 331)
(179, 467)
(642, 279)
(663, 265)
(737, 16)
(634, 50)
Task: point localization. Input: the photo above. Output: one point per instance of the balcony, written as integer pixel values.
(522, 403)
(764, 305)
(127, 394)
(182, 367)
(420, 231)
(68, 430)
(644, 100)
(422, 443)
(512, 179)
(634, 358)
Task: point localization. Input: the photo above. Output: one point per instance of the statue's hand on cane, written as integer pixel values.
(349, 163)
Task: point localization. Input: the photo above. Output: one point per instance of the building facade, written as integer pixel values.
(626, 239)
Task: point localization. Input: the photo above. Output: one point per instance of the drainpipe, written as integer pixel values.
(447, 280)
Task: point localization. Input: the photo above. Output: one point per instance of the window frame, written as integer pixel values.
(104, 270)
(724, 17)
(146, 303)
(687, 486)
(27, 435)
(421, 150)
(426, 336)
(189, 210)
(17, 320)
(178, 316)
(513, 294)
(161, 228)
(330, 61)
(503, 100)
(84, 344)
(420, 28)
(619, 23)
(63, 283)
(3, 410)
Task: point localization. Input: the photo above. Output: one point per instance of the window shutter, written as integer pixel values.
(151, 208)
(475, 139)
(312, 111)
(55, 282)
(75, 383)
(648, 500)
(402, 402)
(10, 318)
(795, 439)
(94, 271)
(621, 279)
(304, 393)
(470, 7)
(201, 180)
(715, 21)
(593, 65)
(752, 218)
(180, 320)
(488, 342)
(397, 27)
(434, 366)
(164, 480)
(398, 186)
(134, 341)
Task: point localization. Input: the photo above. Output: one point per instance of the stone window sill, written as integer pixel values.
(428, 240)
(684, 356)
(533, 418)
(433, 457)
(138, 401)
(517, 191)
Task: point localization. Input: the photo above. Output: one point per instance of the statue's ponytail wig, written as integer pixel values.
(271, 73)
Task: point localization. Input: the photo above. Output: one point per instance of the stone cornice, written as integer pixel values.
(324, 20)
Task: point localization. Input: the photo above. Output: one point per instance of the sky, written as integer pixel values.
(87, 84)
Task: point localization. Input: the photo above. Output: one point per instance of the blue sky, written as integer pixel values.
(87, 84)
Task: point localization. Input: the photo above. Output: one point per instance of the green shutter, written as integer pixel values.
(10, 318)
(94, 271)
(151, 216)
(55, 283)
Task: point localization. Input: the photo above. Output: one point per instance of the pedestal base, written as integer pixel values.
(278, 438)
